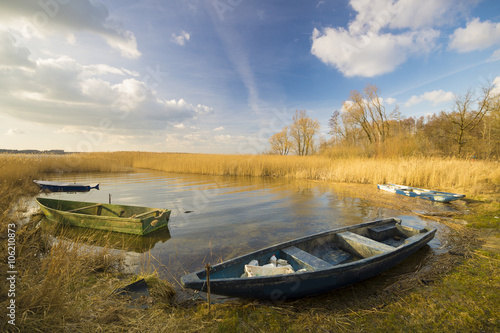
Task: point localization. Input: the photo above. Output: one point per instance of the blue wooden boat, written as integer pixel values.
(420, 193)
(319, 263)
(64, 187)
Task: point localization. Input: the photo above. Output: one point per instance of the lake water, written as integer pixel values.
(216, 218)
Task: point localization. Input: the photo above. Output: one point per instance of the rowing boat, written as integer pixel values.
(65, 187)
(420, 193)
(135, 220)
(314, 264)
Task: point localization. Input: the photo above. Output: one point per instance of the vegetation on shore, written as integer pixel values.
(61, 288)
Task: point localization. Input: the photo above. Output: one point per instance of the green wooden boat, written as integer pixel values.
(119, 218)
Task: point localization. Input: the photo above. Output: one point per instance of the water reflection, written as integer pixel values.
(107, 239)
(215, 218)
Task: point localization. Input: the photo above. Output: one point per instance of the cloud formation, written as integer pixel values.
(476, 35)
(62, 90)
(383, 35)
(34, 18)
(435, 97)
(181, 38)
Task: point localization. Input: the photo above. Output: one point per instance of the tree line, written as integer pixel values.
(364, 127)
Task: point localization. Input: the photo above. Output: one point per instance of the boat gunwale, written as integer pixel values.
(108, 218)
(194, 278)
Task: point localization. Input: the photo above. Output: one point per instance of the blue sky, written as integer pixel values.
(221, 76)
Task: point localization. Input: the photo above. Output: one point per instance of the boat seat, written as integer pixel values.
(305, 259)
(361, 246)
(382, 232)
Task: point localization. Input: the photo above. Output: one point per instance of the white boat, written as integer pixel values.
(420, 193)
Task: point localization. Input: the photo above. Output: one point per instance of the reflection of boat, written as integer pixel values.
(109, 239)
(331, 260)
(64, 187)
(120, 218)
(420, 193)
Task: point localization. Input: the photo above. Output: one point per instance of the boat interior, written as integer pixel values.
(330, 250)
(99, 209)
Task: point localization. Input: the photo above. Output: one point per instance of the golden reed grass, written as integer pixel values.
(432, 172)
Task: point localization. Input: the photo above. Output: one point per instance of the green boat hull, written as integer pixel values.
(134, 220)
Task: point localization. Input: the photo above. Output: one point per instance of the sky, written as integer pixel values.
(222, 76)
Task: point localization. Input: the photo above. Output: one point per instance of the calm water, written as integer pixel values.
(215, 218)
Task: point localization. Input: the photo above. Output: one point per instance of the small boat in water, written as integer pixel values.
(314, 264)
(135, 220)
(64, 187)
(420, 193)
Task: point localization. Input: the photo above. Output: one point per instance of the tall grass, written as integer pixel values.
(18, 168)
(433, 172)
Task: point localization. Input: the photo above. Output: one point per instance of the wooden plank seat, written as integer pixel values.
(361, 246)
(305, 259)
(379, 233)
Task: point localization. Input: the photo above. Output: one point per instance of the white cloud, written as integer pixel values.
(181, 38)
(390, 101)
(368, 48)
(180, 126)
(476, 35)
(495, 56)
(223, 138)
(496, 82)
(34, 18)
(369, 55)
(218, 129)
(62, 91)
(15, 131)
(435, 97)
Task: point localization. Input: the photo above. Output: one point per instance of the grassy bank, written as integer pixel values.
(60, 288)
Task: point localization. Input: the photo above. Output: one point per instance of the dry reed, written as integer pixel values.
(433, 172)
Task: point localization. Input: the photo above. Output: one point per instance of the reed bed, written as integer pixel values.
(20, 167)
(472, 176)
(432, 172)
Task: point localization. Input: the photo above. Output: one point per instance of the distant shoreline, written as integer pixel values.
(34, 151)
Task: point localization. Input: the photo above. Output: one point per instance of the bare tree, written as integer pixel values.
(469, 111)
(302, 131)
(280, 142)
(367, 111)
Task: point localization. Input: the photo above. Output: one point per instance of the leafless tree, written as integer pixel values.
(280, 142)
(367, 111)
(469, 111)
(303, 131)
